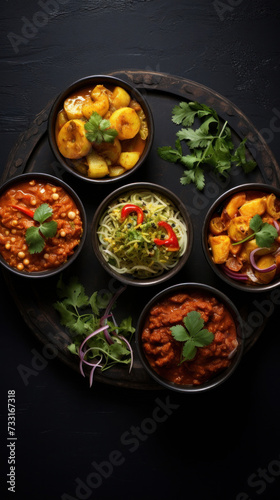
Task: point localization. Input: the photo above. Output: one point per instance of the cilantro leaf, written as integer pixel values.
(266, 236)
(35, 236)
(193, 322)
(83, 315)
(34, 240)
(48, 229)
(256, 223)
(189, 351)
(179, 333)
(264, 232)
(99, 130)
(192, 334)
(42, 213)
(209, 145)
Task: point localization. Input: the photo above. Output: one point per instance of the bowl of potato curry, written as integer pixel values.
(241, 237)
(100, 129)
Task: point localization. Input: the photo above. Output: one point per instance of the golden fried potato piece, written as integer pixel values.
(71, 140)
(116, 170)
(254, 207)
(271, 209)
(97, 166)
(264, 262)
(220, 246)
(120, 98)
(234, 204)
(109, 150)
(126, 122)
(238, 228)
(98, 102)
(129, 159)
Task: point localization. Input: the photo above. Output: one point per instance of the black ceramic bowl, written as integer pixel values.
(46, 178)
(216, 208)
(190, 288)
(91, 81)
(160, 190)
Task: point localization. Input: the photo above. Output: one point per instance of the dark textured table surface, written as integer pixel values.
(101, 443)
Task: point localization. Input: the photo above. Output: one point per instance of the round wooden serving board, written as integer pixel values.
(32, 153)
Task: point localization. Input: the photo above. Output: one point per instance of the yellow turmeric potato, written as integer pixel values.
(264, 262)
(247, 248)
(126, 122)
(97, 166)
(271, 209)
(239, 229)
(129, 159)
(71, 140)
(254, 207)
(234, 204)
(80, 166)
(97, 102)
(73, 107)
(216, 225)
(220, 246)
(116, 170)
(62, 118)
(120, 98)
(109, 150)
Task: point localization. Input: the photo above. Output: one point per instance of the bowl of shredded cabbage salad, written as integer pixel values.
(142, 234)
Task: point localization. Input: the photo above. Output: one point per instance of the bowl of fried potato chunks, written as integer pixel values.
(100, 129)
(241, 237)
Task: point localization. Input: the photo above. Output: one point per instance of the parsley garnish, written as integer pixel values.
(99, 130)
(81, 315)
(210, 145)
(264, 232)
(36, 235)
(193, 335)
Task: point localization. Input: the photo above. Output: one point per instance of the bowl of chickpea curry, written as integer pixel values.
(100, 129)
(241, 237)
(42, 225)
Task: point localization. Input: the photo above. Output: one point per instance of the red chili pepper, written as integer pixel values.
(24, 210)
(129, 208)
(171, 242)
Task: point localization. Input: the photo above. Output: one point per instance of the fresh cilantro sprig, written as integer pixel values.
(99, 130)
(81, 315)
(264, 232)
(192, 334)
(209, 145)
(36, 236)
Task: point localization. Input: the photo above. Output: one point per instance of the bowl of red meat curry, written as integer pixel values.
(42, 225)
(189, 337)
(241, 237)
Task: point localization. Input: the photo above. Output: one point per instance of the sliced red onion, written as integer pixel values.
(130, 349)
(254, 265)
(82, 353)
(104, 328)
(104, 318)
(277, 227)
(251, 275)
(234, 275)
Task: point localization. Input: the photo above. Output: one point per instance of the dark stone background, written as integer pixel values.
(223, 445)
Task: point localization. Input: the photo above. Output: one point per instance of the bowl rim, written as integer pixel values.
(81, 83)
(222, 376)
(177, 202)
(53, 180)
(252, 186)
